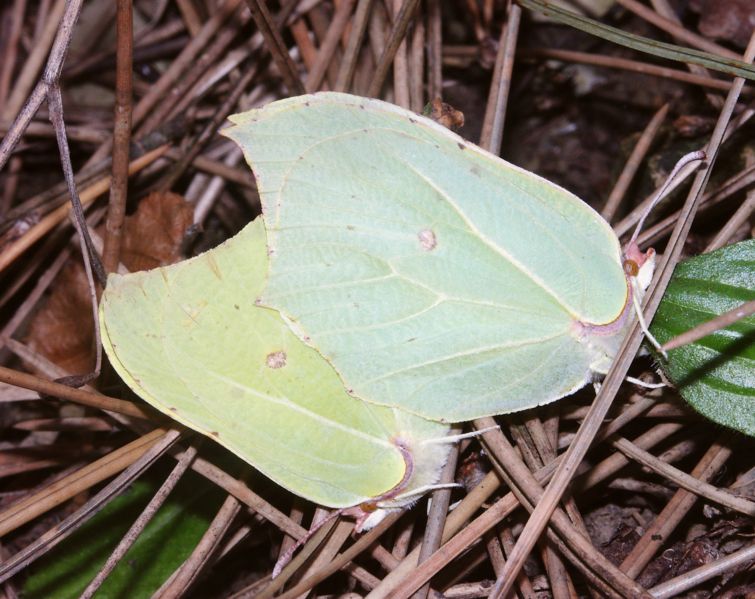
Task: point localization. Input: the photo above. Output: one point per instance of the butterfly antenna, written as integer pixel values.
(426, 489)
(683, 161)
(461, 437)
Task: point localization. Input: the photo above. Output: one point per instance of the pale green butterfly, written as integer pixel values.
(433, 275)
(189, 339)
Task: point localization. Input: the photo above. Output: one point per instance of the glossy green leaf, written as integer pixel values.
(433, 275)
(715, 375)
(191, 341)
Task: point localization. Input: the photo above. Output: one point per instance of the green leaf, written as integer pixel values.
(715, 375)
(729, 66)
(163, 546)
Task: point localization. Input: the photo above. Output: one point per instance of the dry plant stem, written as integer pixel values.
(400, 65)
(695, 157)
(417, 68)
(40, 257)
(378, 28)
(329, 45)
(42, 203)
(188, 56)
(398, 33)
(68, 486)
(638, 154)
(296, 515)
(85, 398)
(739, 218)
(474, 16)
(87, 196)
(486, 134)
(320, 20)
(304, 554)
(11, 185)
(410, 576)
(220, 169)
(468, 590)
(307, 50)
(663, 8)
(476, 557)
(495, 551)
(241, 533)
(719, 322)
(341, 560)
(206, 201)
(187, 89)
(353, 46)
(576, 451)
(11, 50)
(404, 532)
(507, 543)
(239, 490)
(436, 518)
(617, 460)
(64, 14)
(147, 45)
(561, 584)
(276, 46)
(329, 550)
(735, 183)
(200, 557)
(458, 516)
(665, 523)
(676, 30)
(121, 136)
(51, 75)
(529, 492)
(141, 522)
(690, 579)
(92, 263)
(39, 362)
(504, 80)
(190, 16)
(61, 531)
(434, 50)
(43, 282)
(81, 133)
(684, 448)
(210, 129)
(630, 220)
(684, 480)
(42, 18)
(535, 454)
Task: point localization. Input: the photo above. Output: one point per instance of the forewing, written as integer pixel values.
(433, 275)
(190, 340)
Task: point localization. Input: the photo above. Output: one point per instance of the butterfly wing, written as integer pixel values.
(190, 340)
(434, 276)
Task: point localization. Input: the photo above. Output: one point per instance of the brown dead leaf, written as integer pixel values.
(155, 232)
(729, 20)
(62, 330)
